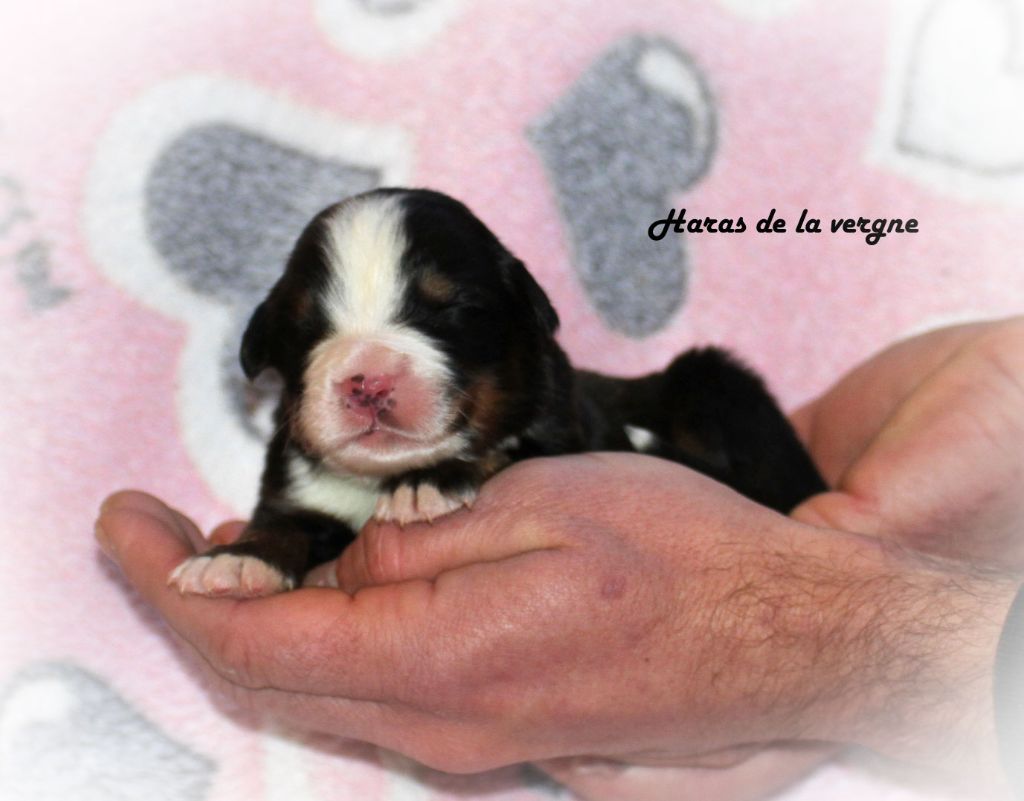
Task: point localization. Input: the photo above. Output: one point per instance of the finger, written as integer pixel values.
(511, 518)
(378, 646)
(366, 721)
(134, 502)
(842, 511)
(444, 741)
(385, 553)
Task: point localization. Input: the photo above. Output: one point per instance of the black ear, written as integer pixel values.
(255, 351)
(533, 296)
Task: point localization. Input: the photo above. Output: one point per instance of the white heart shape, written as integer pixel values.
(761, 9)
(964, 98)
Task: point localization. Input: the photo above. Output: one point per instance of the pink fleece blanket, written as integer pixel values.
(157, 158)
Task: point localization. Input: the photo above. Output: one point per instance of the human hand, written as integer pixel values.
(618, 607)
(924, 444)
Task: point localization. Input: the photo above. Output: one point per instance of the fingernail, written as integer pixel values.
(133, 500)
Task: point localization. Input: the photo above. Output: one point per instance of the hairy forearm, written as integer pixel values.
(846, 639)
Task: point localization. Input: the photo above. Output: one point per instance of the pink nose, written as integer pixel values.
(368, 395)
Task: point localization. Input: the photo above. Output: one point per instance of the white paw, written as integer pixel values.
(422, 503)
(228, 575)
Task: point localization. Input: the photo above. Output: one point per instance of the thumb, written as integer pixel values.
(840, 510)
(384, 553)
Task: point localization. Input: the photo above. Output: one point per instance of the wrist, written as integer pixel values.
(908, 645)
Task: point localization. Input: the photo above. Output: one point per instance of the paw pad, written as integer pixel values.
(228, 575)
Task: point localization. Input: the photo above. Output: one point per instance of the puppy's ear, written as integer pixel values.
(532, 295)
(255, 351)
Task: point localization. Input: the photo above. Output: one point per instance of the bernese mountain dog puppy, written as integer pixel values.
(418, 358)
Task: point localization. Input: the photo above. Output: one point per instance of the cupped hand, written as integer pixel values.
(626, 609)
(924, 444)
(612, 606)
(530, 627)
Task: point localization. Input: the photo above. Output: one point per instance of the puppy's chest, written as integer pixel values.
(348, 498)
(426, 494)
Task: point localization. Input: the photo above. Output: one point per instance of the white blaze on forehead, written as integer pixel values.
(364, 245)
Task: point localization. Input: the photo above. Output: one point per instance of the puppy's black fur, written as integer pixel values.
(516, 394)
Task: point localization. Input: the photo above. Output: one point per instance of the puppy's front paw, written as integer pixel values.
(423, 502)
(228, 575)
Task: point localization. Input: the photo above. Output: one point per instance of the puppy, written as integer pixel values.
(418, 358)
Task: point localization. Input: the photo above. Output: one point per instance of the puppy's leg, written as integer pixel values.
(425, 495)
(274, 553)
(725, 422)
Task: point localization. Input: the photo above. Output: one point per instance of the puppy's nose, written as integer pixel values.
(369, 395)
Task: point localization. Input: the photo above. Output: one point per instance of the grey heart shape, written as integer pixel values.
(223, 207)
(636, 126)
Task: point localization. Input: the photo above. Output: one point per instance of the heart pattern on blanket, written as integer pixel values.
(124, 312)
(964, 97)
(612, 179)
(761, 9)
(384, 29)
(223, 208)
(65, 734)
(31, 259)
(197, 194)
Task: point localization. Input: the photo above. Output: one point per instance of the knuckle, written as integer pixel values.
(235, 699)
(232, 659)
(458, 751)
(381, 554)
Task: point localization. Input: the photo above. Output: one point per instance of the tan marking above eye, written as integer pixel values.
(435, 286)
